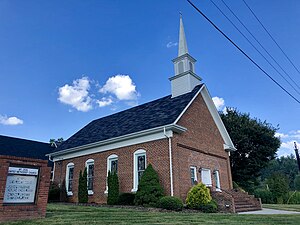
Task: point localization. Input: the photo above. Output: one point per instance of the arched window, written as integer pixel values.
(112, 166)
(139, 166)
(90, 175)
(180, 67)
(69, 178)
(191, 67)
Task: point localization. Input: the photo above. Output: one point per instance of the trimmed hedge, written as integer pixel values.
(211, 207)
(126, 199)
(54, 192)
(82, 187)
(113, 188)
(171, 203)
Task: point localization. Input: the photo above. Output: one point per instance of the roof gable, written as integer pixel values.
(153, 114)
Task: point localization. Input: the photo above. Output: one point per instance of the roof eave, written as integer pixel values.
(174, 127)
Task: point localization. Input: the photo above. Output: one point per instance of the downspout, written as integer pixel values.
(170, 157)
(53, 171)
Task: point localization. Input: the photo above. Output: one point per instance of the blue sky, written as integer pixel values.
(65, 63)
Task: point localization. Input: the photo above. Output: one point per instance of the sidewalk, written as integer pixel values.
(266, 211)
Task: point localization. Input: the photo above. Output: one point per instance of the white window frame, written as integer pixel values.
(69, 165)
(202, 176)
(217, 180)
(110, 158)
(194, 168)
(87, 163)
(136, 154)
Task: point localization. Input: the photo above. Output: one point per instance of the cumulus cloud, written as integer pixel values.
(104, 102)
(12, 121)
(287, 142)
(219, 103)
(77, 94)
(171, 44)
(121, 86)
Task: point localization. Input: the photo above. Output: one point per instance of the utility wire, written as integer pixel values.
(271, 37)
(260, 44)
(245, 54)
(254, 46)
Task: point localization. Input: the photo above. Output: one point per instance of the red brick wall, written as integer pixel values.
(156, 154)
(25, 211)
(201, 146)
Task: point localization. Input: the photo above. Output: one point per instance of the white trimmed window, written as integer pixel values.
(193, 172)
(112, 166)
(206, 177)
(69, 178)
(217, 180)
(139, 166)
(90, 175)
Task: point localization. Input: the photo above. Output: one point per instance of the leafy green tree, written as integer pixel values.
(82, 187)
(113, 188)
(278, 185)
(285, 165)
(149, 190)
(297, 182)
(256, 146)
(197, 196)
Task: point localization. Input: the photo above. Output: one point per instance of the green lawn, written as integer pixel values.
(283, 207)
(68, 214)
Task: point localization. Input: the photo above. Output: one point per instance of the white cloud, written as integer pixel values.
(171, 44)
(121, 86)
(104, 102)
(287, 142)
(10, 120)
(281, 135)
(219, 103)
(77, 95)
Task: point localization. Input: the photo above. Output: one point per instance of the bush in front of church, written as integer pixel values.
(82, 187)
(149, 190)
(170, 203)
(198, 196)
(113, 188)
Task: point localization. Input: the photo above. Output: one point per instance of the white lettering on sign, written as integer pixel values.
(23, 171)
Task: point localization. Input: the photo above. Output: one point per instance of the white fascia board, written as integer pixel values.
(188, 105)
(228, 146)
(119, 142)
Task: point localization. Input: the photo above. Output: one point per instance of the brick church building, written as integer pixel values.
(181, 135)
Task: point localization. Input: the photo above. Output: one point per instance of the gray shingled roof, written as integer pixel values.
(24, 148)
(153, 114)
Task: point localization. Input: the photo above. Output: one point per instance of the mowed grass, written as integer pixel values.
(283, 207)
(69, 214)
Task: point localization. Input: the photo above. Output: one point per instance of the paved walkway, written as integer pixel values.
(270, 211)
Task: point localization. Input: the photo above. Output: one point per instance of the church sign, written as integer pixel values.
(21, 184)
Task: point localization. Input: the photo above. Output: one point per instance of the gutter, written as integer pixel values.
(171, 165)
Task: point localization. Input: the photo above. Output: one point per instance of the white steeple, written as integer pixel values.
(182, 47)
(185, 79)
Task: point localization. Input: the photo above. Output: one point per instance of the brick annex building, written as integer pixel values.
(181, 135)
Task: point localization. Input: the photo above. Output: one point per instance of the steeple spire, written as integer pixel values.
(185, 78)
(182, 47)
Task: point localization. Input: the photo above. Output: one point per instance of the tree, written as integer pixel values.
(113, 188)
(255, 143)
(278, 185)
(82, 187)
(149, 190)
(285, 165)
(297, 182)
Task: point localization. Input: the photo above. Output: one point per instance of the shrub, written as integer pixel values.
(266, 196)
(293, 197)
(63, 192)
(54, 192)
(126, 199)
(113, 188)
(171, 203)
(82, 187)
(211, 207)
(197, 196)
(149, 190)
(279, 186)
(297, 182)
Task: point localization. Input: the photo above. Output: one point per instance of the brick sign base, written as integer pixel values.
(24, 186)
